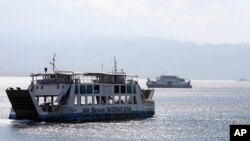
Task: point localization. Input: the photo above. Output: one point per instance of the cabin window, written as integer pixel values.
(123, 99)
(116, 99)
(37, 87)
(103, 100)
(76, 89)
(129, 99)
(75, 100)
(134, 100)
(116, 89)
(126, 99)
(123, 89)
(40, 100)
(62, 86)
(129, 89)
(53, 76)
(134, 90)
(83, 100)
(42, 87)
(57, 86)
(89, 100)
(97, 100)
(82, 89)
(110, 100)
(48, 99)
(96, 89)
(89, 89)
(54, 100)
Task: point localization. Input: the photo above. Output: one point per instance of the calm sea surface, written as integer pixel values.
(202, 113)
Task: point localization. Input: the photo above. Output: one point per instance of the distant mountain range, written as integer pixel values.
(146, 57)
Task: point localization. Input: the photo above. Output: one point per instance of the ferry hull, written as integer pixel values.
(79, 117)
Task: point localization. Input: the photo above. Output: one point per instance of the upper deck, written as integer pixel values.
(69, 77)
(110, 78)
(56, 77)
(164, 78)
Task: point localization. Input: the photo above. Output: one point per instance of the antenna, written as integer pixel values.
(53, 63)
(115, 65)
(102, 63)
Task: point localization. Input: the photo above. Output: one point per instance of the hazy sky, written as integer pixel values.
(200, 21)
(200, 39)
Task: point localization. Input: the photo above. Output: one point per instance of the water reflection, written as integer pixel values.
(201, 113)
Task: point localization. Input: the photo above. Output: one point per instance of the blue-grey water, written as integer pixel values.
(201, 113)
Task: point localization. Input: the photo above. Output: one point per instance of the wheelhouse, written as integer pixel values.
(65, 77)
(110, 78)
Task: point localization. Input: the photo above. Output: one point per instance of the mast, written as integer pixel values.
(53, 63)
(115, 65)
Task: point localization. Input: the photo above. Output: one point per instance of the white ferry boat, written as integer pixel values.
(169, 81)
(67, 96)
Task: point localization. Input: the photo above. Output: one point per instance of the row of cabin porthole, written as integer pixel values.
(89, 89)
(124, 89)
(58, 87)
(103, 100)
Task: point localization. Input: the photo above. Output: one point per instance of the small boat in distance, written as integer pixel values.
(67, 96)
(243, 80)
(169, 81)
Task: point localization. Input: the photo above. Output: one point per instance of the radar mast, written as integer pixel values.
(115, 65)
(53, 63)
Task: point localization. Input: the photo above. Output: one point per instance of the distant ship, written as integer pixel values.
(67, 96)
(243, 79)
(169, 81)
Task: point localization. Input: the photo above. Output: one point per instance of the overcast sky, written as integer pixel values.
(199, 21)
(200, 39)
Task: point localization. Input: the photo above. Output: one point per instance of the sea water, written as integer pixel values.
(201, 113)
